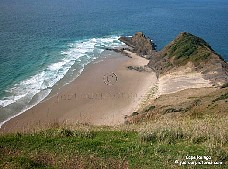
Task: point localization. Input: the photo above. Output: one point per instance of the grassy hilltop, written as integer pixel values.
(187, 47)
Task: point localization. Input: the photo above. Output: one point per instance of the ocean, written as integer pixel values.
(47, 43)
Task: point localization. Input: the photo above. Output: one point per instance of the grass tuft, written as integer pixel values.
(224, 85)
(222, 97)
(196, 131)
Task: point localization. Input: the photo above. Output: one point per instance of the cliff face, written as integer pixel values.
(140, 44)
(187, 49)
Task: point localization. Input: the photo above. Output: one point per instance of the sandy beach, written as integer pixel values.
(103, 94)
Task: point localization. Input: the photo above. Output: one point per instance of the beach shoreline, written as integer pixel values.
(89, 99)
(105, 94)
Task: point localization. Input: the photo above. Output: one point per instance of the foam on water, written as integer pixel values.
(41, 97)
(43, 81)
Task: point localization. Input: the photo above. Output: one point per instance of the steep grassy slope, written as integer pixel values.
(187, 47)
(199, 102)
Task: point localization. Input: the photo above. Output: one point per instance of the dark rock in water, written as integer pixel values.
(140, 68)
(140, 44)
(118, 50)
(109, 49)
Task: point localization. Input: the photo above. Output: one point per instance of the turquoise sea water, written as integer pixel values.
(43, 41)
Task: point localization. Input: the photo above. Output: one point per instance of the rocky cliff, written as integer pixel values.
(140, 44)
(186, 50)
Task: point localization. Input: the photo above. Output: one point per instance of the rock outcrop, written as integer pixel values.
(186, 50)
(140, 44)
(191, 51)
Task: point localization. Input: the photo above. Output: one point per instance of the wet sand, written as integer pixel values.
(103, 94)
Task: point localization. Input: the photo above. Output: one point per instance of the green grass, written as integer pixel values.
(134, 113)
(224, 85)
(222, 97)
(148, 108)
(63, 148)
(188, 47)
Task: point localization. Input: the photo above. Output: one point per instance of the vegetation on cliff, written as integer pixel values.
(183, 49)
(192, 52)
(187, 47)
